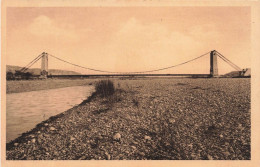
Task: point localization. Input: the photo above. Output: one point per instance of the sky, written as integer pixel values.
(129, 39)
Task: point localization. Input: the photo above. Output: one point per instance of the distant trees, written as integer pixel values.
(9, 75)
(18, 75)
(28, 75)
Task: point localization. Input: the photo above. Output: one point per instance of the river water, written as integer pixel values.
(25, 110)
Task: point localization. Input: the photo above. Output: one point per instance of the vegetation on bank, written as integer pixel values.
(108, 91)
(18, 75)
(105, 88)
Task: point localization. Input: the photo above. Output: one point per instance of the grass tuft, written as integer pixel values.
(136, 103)
(105, 88)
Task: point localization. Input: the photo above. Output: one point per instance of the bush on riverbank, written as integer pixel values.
(105, 88)
(18, 75)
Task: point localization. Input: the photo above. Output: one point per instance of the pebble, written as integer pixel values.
(46, 124)
(146, 150)
(117, 137)
(72, 138)
(83, 157)
(171, 121)
(52, 128)
(226, 153)
(56, 153)
(33, 140)
(147, 137)
(134, 142)
(32, 136)
(194, 156)
(133, 147)
(210, 157)
(141, 153)
(100, 137)
(167, 144)
(190, 145)
(16, 144)
(153, 146)
(108, 157)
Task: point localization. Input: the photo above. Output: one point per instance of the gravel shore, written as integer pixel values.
(169, 119)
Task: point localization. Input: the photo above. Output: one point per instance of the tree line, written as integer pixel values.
(18, 75)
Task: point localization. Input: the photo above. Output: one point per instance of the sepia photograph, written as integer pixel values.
(127, 83)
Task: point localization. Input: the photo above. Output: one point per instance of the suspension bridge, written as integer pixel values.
(44, 57)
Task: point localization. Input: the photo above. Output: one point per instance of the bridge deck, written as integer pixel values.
(131, 75)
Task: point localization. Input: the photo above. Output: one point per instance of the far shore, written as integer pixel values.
(19, 86)
(35, 85)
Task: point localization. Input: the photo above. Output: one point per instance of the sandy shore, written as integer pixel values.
(148, 119)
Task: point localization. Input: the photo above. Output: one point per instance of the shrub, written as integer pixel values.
(23, 75)
(28, 75)
(10, 76)
(105, 88)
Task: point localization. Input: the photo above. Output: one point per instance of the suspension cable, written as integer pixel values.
(230, 64)
(160, 69)
(31, 63)
(228, 61)
(25, 69)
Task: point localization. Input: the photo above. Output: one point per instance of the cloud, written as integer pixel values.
(141, 46)
(206, 33)
(44, 27)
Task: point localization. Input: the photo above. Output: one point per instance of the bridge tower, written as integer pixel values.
(44, 66)
(213, 64)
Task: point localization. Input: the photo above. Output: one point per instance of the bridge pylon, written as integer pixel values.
(44, 65)
(213, 64)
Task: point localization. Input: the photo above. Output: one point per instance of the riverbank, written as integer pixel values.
(35, 85)
(148, 119)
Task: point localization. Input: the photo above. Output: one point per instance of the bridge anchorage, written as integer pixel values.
(212, 73)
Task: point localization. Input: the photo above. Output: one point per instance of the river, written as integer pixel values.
(25, 110)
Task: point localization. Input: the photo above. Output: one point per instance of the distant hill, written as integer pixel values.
(36, 71)
(231, 74)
